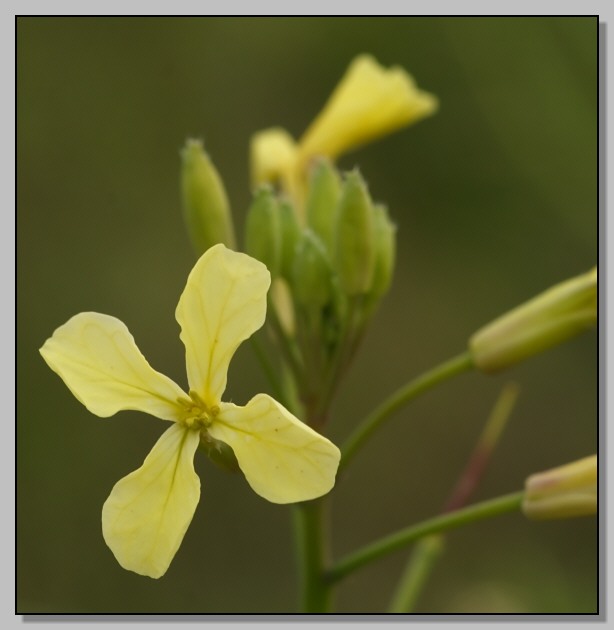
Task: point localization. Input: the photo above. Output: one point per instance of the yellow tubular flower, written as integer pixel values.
(285, 461)
(369, 102)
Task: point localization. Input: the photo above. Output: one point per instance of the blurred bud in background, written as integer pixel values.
(561, 312)
(385, 252)
(569, 490)
(206, 209)
(312, 277)
(263, 230)
(322, 198)
(354, 237)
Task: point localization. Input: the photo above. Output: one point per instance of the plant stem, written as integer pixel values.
(427, 550)
(267, 366)
(483, 451)
(424, 556)
(402, 396)
(310, 534)
(342, 355)
(398, 540)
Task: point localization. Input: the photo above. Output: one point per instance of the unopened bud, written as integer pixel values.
(311, 272)
(322, 198)
(385, 251)
(552, 317)
(290, 235)
(569, 490)
(263, 230)
(272, 153)
(219, 453)
(281, 299)
(205, 205)
(354, 248)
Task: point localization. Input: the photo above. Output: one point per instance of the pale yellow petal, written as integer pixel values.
(95, 355)
(224, 302)
(148, 512)
(369, 102)
(283, 460)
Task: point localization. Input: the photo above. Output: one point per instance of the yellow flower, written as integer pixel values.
(568, 490)
(285, 461)
(369, 102)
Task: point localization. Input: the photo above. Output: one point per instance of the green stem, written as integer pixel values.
(341, 356)
(424, 556)
(427, 551)
(398, 540)
(310, 534)
(267, 367)
(402, 396)
(287, 345)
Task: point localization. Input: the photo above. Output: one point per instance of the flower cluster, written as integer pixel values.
(330, 249)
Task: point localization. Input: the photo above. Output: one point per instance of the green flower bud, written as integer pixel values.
(205, 205)
(263, 230)
(311, 272)
(281, 299)
(385, 251)
(552, 317)
(219, 453)
(569, 490)
(290, 236)
(322, 198)
(354, 248)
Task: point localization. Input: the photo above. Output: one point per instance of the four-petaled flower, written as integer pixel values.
(285, 461)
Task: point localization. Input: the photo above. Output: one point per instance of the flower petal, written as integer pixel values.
(95, 355)
(369, 102)
(283, 459)
(148, 512)
(224, 302)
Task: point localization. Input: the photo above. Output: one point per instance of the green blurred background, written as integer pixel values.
(495, 200)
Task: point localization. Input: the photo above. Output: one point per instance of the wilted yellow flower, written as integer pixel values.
(148, 512)
(569, 490)
(369, 102)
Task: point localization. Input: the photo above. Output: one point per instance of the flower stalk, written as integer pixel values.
(379, 549)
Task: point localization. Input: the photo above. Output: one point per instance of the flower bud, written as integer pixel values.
(369, 102)
(385, 250)
(263, 230)
(219, 453)
(272, 153)
(311, 272)
(569, 490)
(552, 317)
(322, 198)
(281, 299)
(205, 205)
(273, 160)
(290, 235)
(354, 239)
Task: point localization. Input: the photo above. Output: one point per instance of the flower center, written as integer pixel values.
(198, 416)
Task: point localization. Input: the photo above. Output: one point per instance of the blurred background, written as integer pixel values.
(495, 198)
